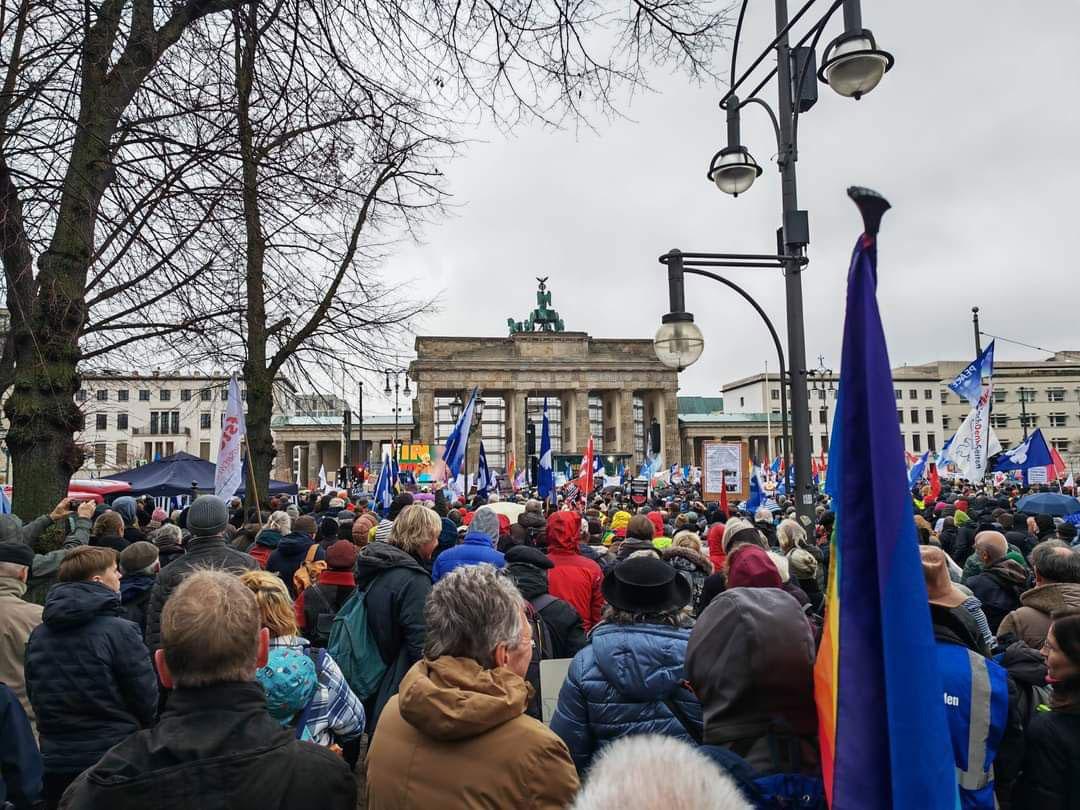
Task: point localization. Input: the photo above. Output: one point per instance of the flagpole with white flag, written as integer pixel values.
(229, 470)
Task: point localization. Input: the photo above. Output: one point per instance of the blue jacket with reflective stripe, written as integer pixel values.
(976, 695)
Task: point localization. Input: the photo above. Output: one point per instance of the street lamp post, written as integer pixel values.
(822, 379)
(852, 65)
(398, 373)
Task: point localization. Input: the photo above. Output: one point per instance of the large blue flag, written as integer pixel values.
(1032, 452)
(384, 493)
(454, 454)
(546, 483)
(484, 481)
(969, 382)
(883, 731)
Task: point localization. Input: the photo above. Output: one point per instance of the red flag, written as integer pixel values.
(935, 482)
(723, 494)
(1058, 468)
(587, 464)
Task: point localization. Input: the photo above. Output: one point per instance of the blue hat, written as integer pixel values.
(289, 679)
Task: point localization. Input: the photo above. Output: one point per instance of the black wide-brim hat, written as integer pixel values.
(645, 585)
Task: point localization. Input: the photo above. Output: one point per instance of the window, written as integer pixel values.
(204, 450)
(898, 393)
(122, 395)
(944, 397)
(928, 393)
(931, 442)
(1030, 420)
(914, 416)
(913, 393)
(774, 393)
(99, 454)
(825, 444)
(775, 414)
(121, 423)
(102, 395)
(999, 420)
(121, 454)
(1055, 394)
(823, 416)
(185, 394)
(205, 394)
(1058, 420)
(1061, 445)
(243, 396)
(204, 420)
(224, 394)
(821, 394)
(144, 395)
(916, 443)
(1000, 394)
(1028, 394)
(164, 422)
(900, 416)
(165, 395)
(80, 395)
(742, 402)
(101, 421)
(929, 416)
(944, 422)
(1005, 444)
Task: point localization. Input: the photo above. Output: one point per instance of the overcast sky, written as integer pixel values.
(972, 137)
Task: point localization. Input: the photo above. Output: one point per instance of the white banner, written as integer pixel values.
(229, 472)
(975, 442)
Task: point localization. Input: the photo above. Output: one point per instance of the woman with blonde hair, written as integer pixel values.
(793, 536)
(304, 687)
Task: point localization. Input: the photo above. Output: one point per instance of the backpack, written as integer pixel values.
(352, 646)
(777, 791)
(543, 648)
(308, 572)
(324, 618)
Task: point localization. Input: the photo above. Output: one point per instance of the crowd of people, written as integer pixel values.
(322, 652)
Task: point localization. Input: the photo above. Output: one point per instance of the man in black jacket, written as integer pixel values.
(528, 568)
(88, 673)
(215, 745)
(206, 519)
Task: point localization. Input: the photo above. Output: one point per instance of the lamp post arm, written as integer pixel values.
(769, 110)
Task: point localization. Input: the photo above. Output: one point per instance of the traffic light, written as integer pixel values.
(530, 438)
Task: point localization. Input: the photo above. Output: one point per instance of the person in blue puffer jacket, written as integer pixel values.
(632, 671)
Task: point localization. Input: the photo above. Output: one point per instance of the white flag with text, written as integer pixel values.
(229, 472)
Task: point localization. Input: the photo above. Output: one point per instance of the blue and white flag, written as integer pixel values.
(969, 382)
(545, 484)
(1033, 452)
(5, 504)
(228, 474)
(454, 453)
(757, 491)
(917, 469)
(484, 480)
(384, 494)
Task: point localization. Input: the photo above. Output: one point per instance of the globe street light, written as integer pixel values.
(852, 64)
(732, 169)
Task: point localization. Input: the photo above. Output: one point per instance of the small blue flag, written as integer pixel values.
(968, 383)
(917, 469)
(483, 475)
(454, 454)
(384, 494)
(546, 483)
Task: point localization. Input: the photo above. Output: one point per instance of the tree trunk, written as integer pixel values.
(260, 441)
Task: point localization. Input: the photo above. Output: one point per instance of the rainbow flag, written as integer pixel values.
(883, 731)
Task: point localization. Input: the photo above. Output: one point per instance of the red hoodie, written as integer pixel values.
(715, 539)
(658, 523)
(575, 578)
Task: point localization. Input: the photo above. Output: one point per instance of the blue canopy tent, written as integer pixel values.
(178, 474)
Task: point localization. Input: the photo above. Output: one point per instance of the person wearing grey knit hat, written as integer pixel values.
(207, 516)
(486, 522)
(139, 565)
(477, 547)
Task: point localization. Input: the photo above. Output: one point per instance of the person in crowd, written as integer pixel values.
(477, 547)
(792, 536)
(20, 761)
(1057, 587)
(108, 531)
(278, 525)
(322, 709)
(327, 533)
(395, 584)
(18, 619)
(1044, 528)
(363, 526)
(88, 673)
(215, 745)
(461, 710)
(296, 548)
(574, 578)
(804, 571)
(1066, 533)
(750, 662)
(127, 508)
(1002, 580)
(685, 556)
(168, 540)
(1016, 533)
(206, 520)
(786, 582)
(640, 532)
(397, 506)
(689, 778)
(617, 524)
(139, 566)
(77, 522)
(714, 539)
(317, 605)
(981, 703)
(1048, 775)
(629, 679)
(529, 528)
(737, 533)
(763, 522)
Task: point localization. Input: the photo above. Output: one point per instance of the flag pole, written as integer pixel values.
(251, 475)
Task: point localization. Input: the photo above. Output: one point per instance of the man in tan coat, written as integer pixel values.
(1057, 587)
(17, 619)
(456, 735)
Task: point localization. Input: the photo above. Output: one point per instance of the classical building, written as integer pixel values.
(612, 389)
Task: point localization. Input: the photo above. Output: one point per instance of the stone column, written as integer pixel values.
(624, 420)
(425, 414)
(570, 443)
(668, 414)
(515, 417)
(581, 419)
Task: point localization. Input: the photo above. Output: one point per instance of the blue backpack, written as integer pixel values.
(353, 647)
